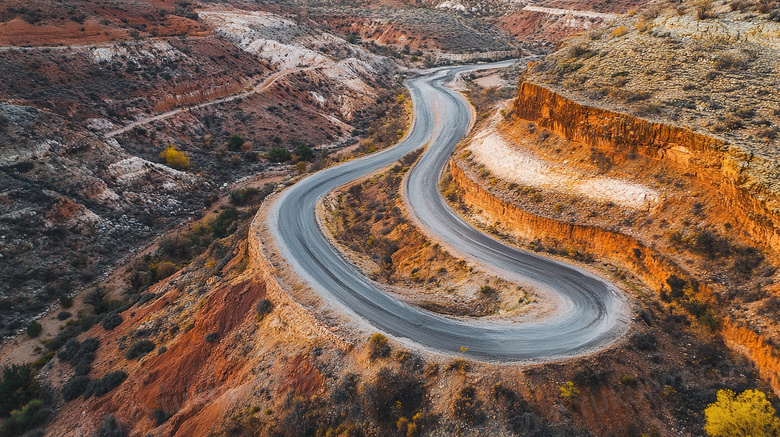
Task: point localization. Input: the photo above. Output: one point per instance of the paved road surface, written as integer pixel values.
(592, 313)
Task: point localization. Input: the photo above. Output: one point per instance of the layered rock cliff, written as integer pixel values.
(711, 161)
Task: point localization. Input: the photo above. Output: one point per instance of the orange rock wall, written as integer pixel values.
(711, 161)
(650, 266)
(762, 354)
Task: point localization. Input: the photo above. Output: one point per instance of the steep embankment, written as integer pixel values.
(709, 163)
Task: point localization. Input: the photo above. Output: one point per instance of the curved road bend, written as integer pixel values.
(592, 314)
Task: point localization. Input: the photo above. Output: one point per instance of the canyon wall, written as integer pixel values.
(647, 264)
(743, 178)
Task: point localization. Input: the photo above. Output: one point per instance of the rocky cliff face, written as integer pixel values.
(712, 161)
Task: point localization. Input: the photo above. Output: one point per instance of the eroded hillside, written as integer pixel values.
(87, 167)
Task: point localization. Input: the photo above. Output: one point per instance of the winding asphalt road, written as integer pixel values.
(591, 314)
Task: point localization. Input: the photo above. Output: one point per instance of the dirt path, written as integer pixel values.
(572, 12)
(267, 83)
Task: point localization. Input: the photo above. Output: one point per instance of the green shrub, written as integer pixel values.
(235, 142)
(32, 415)
(80, 355)
(110, 381)
(75, 387)
(221, 225)
(279, 154)
(628, 380)
(111, 321)
(304, 152)
(139, 349)
(34, 329)
(17, 387)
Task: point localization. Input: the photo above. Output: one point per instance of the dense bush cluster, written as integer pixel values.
(378, 346)
(80, 355)
(263, 308)
(111, 321)
(139, 349)
(20, 406)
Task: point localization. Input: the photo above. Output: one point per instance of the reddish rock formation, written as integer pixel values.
(711, 161)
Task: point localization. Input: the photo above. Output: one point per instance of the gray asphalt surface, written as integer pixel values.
(592, 312)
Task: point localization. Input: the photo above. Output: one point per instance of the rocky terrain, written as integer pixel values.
(97, 92)
(80, 193)
(632, 149)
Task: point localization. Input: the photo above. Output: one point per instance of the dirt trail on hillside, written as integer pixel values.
(267, 83)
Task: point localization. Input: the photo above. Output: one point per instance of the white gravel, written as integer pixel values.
(508, 162)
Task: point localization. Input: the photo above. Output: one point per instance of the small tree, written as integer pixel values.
(279, 154)
(235, 142)
(175, 158)
(34, 329)
(304, 152)
(746, 414)
(569, 392)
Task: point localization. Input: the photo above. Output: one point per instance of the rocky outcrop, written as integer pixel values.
(728, 170)
(752, 345)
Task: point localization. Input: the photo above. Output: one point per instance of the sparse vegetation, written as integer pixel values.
(466, 406)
